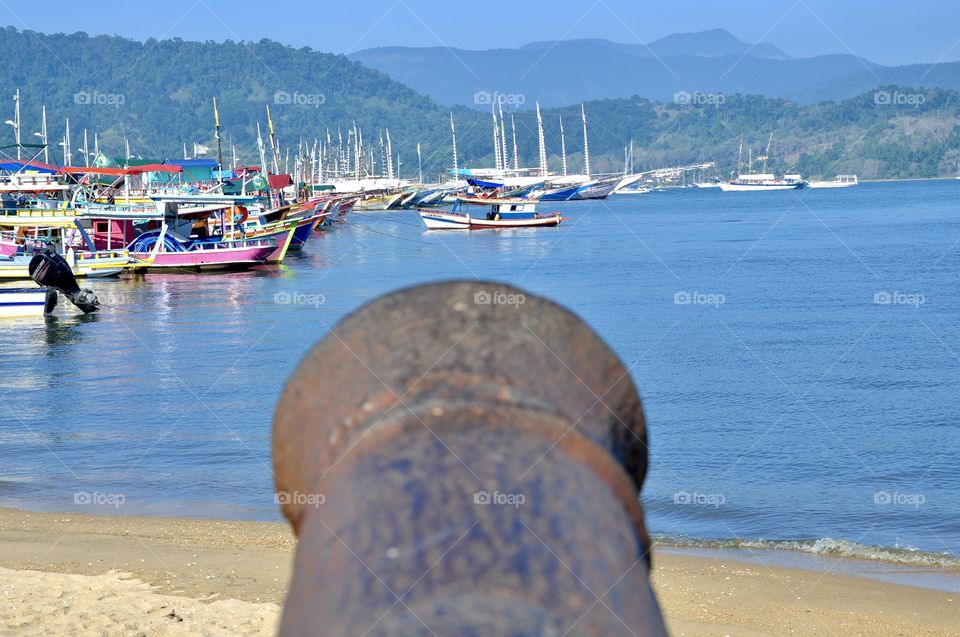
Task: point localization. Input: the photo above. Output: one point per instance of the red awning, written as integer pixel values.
(133, 170)
(280, 181)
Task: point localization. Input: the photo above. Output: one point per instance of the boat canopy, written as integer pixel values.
(16, 165)
(133, 170)
(480, 183)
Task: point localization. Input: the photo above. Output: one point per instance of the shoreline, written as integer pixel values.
(117, 571)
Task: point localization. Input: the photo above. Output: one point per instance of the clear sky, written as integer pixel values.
(884, 31)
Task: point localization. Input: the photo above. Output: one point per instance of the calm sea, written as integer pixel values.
(798, 355)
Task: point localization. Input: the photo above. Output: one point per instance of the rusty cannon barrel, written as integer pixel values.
(464, 459)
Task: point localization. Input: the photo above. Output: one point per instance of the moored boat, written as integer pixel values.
(840, 181)
(760, 182)
(501, 213)
(26, 302)
(164, 251)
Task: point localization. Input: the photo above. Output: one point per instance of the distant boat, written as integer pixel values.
(707, 184)
(841, 181)
(598, 189)
(759, 182)
(501, 213)
(637, 189)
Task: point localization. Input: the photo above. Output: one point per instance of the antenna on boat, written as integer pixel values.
(419, 165)
(563, 147)
(543, 143)
(516, 158)
(86, 150)
(216, 123)
(586, 144)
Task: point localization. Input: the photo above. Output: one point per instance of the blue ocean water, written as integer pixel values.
(797, 353)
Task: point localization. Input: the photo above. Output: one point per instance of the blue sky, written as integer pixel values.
(884, 31)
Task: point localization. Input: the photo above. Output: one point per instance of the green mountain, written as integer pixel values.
(158, 95)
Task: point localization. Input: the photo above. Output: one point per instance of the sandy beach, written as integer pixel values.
(64, 573)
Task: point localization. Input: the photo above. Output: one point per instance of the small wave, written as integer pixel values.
(827, 547)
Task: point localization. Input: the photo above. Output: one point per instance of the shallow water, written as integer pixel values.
(784, 403)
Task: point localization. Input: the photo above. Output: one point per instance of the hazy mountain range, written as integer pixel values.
(572, 71)
(157, 95)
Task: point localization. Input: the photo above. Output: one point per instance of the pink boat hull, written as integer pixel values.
(7, 248)
(198, 260)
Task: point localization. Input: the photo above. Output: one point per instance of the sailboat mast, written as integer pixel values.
(453, 133)
(503, 135)
(516, 156)
(740, 158)
(496, 139)
(586, 143)
(43, 134)
(216, 123)
(563, 147)
(419, 165)
(274, 149)
(543, 143)
(67, 153)
(766, 155)
(16, 120)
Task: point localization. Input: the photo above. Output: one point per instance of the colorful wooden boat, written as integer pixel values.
(501, 213)
(163, 251)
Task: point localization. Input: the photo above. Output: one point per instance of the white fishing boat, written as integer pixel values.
(841, 181)
(759, 182)
(500, 213)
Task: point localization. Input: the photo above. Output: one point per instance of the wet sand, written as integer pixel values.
(64, 573)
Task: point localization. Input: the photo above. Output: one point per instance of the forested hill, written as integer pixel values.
(159, 95)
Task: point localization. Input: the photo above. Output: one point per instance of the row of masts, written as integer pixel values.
(502, 158)
(326, 160)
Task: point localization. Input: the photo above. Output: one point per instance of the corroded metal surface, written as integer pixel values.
(464, 459)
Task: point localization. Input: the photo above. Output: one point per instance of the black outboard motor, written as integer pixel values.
(51, 270)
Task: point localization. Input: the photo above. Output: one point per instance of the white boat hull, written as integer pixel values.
(16, 303)
(451, 221)
(727, 187)
(830, 184)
